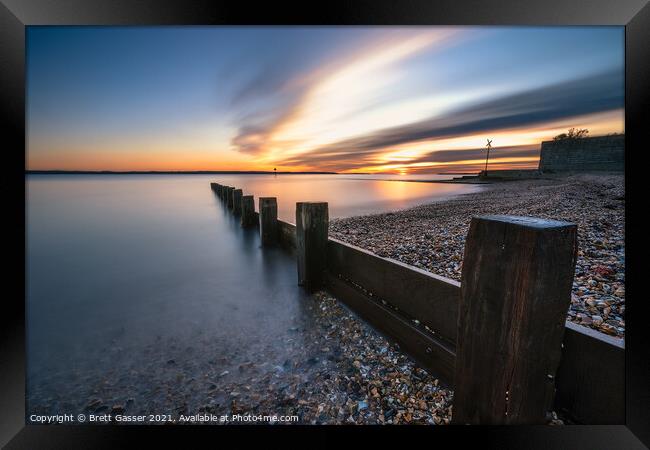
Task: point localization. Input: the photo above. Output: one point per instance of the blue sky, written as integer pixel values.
(381, 99)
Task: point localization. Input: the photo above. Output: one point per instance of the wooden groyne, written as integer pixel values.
(499, 337)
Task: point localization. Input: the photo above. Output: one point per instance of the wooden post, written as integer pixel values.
(229, 197)
(248, 218)
(515, 292)
(237, 194)
(268, 220)
(300, 249)
(311, 240)
(219, 190)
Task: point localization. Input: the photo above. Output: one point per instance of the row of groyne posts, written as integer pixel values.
(311, 230)
(498, 337)
(244, 206)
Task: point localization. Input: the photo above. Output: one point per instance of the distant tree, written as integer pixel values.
(572, 134)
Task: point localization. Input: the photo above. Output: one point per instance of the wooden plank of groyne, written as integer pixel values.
(420, 295)
(268, 220)
(300, 251)
(287, 235)
(248, 217)
(229, 197)
(591, 378)
(311, 237)
(237, 194)
(515, 292)
(434, 355)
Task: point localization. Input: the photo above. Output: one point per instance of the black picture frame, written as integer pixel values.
(16, 15)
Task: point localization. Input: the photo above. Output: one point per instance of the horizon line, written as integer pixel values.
(222, 172)
(127, 172)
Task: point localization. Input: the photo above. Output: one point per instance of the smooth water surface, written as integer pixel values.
(347, 195)
(143, 288)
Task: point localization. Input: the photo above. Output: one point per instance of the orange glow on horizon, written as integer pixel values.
(199, 155)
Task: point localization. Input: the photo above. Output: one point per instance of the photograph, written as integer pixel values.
(351, 222)
(325, 225)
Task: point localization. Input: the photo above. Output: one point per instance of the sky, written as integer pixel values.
(402, 100)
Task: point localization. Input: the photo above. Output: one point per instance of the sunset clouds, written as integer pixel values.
(371, 99)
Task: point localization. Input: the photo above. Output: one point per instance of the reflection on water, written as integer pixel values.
(130, 278)
(347, 195)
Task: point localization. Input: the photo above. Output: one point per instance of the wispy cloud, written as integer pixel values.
(594, 93)
(313, 106)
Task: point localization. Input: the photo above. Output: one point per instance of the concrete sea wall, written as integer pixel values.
(602, 153)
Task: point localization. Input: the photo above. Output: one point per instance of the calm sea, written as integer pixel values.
(129, 276)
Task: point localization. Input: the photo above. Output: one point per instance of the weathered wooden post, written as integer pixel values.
(268, 220)
(515, 292)
(229, 197)
(248, 218)
(311, 243)
(219, 190)
(213, 186)
(237, 194)
(300, 248)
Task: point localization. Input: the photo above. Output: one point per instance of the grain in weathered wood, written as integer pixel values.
(311, 236)
(229, 197)
(426, 297)
(515, 293)
(248, 217)
(237, 194)
(300, 251)
(287, 235)
(590, 381)
(268, 220)
(434, 355)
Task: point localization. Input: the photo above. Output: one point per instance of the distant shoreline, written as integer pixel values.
(201, 172)
(169, 172)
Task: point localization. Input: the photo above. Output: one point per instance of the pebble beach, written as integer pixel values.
(330, 369)
(432, 236)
